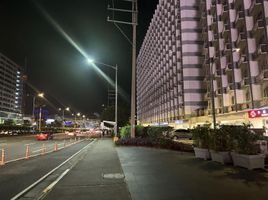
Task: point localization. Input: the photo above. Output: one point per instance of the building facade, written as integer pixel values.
(11, 89)
(201, 56)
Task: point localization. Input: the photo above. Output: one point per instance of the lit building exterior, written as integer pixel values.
(11, 89)
(169, 75)
(197, 52)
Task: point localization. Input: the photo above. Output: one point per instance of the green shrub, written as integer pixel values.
(125, 132)
(221, 138)
(202, 136)
(156, 132)
(244, 140)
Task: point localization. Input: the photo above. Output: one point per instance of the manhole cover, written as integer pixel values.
(114, 176)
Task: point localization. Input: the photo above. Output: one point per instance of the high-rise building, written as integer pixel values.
(204, 55)
(169, 75)
(11, 89)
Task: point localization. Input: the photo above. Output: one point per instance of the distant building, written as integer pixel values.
(199, 51)
(11, 89)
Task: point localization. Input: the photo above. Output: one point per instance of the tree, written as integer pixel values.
(9, 122)
(122, 115)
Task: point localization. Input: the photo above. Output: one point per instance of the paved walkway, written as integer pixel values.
(85, 181)
(155, 174)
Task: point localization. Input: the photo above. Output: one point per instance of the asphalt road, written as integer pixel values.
(15, 147)
(16, 176)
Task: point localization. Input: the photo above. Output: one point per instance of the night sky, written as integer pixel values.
(53, 64)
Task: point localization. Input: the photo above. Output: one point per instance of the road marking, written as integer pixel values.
(48, 188)
(29, 144)
(49, 173)
(37, 150)
(32, 156)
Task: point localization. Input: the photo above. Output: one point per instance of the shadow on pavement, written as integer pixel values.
(258, 176)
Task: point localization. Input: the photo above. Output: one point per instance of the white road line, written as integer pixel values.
(49, 173)
(37, 150)
(32, 156)
(30, 144)
(48, 188)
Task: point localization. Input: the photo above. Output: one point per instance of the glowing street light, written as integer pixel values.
(92, 62)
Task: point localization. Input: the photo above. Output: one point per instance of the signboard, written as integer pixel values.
(258, 113)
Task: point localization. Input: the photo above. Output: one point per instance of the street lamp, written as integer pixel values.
(67, 109)
(91, 61)
(41, 95)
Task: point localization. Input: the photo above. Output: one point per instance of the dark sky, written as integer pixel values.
(53, 64)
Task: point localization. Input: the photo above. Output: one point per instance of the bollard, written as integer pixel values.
(43, 149)
(56, 147)
(27, 152)
(2, 157)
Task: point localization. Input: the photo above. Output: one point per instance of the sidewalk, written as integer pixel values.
(85, 181)
(156, 174)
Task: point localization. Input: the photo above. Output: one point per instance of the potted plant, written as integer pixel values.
(222, 144)
(246, 152)
(201, 138)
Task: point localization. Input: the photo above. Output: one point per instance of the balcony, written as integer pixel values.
(259, 25)
(240, 18)
(226, 31)
(218, 73)
(219, 92)
(245, 82)
(229, 67)
(242, 61)
(263, 49)
(231, 86)
(213, 7)
(228, 46)
(241, 40)
(225, 11)
(237, 4)
(263, 76)
(256, 7)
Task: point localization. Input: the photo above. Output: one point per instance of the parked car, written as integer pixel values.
(179, 134)
(44, 136)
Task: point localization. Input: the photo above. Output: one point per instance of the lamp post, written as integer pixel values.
(41, 95)
(67, 109)
(34, 98)
(116, 89)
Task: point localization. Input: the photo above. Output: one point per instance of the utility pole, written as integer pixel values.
(134, 23)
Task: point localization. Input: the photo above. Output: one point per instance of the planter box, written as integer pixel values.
(223, 157)
(248, 161)
(202, 153)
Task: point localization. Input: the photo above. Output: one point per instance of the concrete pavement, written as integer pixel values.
(96, 176)
(155, 174)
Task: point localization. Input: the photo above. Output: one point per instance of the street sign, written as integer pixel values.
(258, 113)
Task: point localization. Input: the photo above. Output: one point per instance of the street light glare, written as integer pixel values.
(89, 60)
(41, 95)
